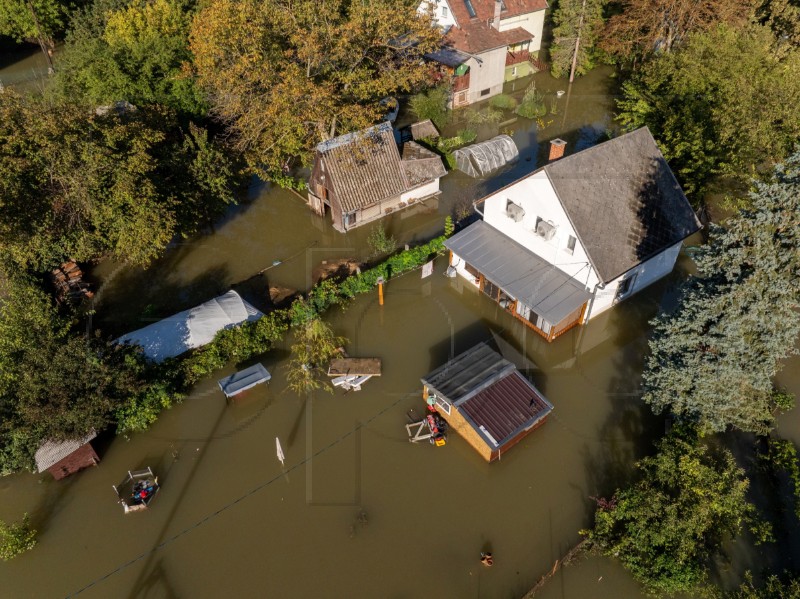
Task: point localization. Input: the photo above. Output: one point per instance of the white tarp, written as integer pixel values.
(193, 328)
(483, 158)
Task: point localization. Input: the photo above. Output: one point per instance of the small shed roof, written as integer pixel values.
(193, 328)
(423, 129)
(490, 393)
(244, 380)
(526, 277)
(52, 452)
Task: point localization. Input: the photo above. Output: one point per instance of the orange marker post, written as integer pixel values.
(380, 290)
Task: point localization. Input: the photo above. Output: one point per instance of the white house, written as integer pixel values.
(573, 238)
(487, 42)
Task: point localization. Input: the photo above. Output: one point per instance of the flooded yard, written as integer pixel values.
(357, 511)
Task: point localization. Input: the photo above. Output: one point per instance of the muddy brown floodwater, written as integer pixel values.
(357, 511)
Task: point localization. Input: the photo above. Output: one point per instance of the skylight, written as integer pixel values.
(470, 9)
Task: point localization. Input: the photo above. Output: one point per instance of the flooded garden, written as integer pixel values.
(357, 510)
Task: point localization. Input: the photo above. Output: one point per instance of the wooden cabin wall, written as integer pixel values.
(462, 427)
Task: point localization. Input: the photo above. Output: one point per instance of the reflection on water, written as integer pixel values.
(358, 510)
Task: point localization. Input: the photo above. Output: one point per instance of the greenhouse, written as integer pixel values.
(481, 159)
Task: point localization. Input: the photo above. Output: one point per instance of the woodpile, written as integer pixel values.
(69, 284)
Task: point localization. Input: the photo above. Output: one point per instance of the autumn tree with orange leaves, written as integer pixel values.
(640, 28)
(284, 75)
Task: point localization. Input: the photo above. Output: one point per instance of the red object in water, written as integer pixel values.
(143, 494)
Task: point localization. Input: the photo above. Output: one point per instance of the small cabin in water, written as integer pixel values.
(363, 176)
(486, 400)
(62, 458)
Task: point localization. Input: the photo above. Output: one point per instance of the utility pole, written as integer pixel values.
(40, 38)
(577, 43)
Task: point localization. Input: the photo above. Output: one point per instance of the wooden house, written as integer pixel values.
(62, 458)
(486, 400)
(363, 176)
(577, 236)
(486, 43)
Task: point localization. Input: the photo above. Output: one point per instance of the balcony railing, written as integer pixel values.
(461, 83)
(517, 57)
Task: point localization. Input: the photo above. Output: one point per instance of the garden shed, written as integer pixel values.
(62, 458)
(482, 158)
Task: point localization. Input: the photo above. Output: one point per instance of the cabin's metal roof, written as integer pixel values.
(523, 275)
(623, 200)
(490, 393)
(52, 452)
(467, 372)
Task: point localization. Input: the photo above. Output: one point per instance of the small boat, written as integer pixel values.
(392, 107)
(137, 490)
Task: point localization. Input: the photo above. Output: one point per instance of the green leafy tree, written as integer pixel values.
(81, 185)
(315, 345)
(36, 20)
(666, 527)
(16, 538)
(783, 17)
(714, 358)
(573, 19)
(431, 104)
(131, 50)
(380, 242)
(722, 105)
(285, 76)
(773, 588)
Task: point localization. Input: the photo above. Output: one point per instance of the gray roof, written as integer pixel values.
(448, 56)
(623, 201)
(244, 380)
(523, 275)
(467, 372)
(420, 165)
(365, 167)
(52, 452)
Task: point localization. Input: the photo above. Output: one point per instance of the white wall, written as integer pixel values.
(423, 191)
(536, 196)
(532, 22)
(459, 263)
(646, 273)
(436, 6)
(487, 74)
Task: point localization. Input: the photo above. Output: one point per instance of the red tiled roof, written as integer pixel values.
(484, 9)
(477, 36)
(505, 407)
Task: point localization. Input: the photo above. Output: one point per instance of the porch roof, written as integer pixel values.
(520, 273)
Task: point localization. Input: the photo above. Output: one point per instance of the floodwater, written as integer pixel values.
(22, 67)
(357, 511)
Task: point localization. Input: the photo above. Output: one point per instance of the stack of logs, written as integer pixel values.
(69, 284)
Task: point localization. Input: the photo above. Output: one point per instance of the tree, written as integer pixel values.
(575, 21)
(39, 20)
(77, 184)
(783, 17)
(16, 538)
(773, 588)
(55, 384)
(315, 345)
(380, 242)
(131, 50)
(285, 76)
(431, 104)
(641, 28)
(722, 105)
(714, 358)
(668, 525)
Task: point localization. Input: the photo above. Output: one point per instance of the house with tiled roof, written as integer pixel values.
(363, 176)
(577, 236)
(486, 43)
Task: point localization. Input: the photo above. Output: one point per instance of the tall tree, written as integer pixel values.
(783, 17)
(83, 185)
(713, 360)
(132, 50)
(722, 105)
(41, 21)
(287, 74)
(640, 28)
(666, 527)
(576, 26)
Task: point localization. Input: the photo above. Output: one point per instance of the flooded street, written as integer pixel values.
(357, 511)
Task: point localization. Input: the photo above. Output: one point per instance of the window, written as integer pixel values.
(443, 404)
(470, 9)
(625, 287)
(444, 11)
(485, 92)
(571, 241)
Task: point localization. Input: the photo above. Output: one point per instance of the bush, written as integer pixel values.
(487, 115)
(467, 135)
(503, 101)
(380, 242)
(431, 105)
(532, 105)
(16, 538)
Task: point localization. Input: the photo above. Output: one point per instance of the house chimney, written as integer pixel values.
(557, 147)
(498, 6)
